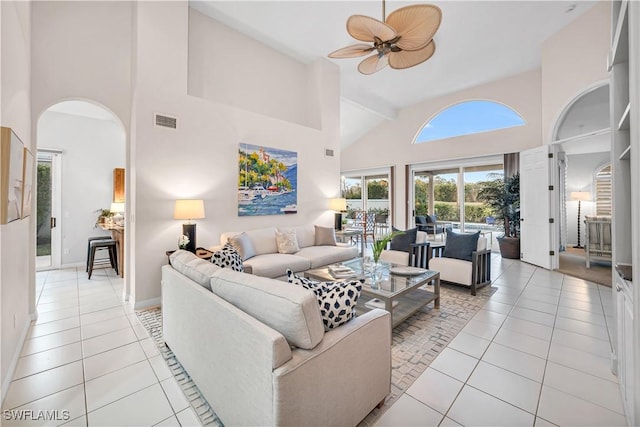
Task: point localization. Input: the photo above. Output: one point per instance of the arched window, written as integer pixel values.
(467, 118)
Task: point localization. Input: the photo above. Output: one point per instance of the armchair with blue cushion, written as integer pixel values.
(410, 249)
(465, 261)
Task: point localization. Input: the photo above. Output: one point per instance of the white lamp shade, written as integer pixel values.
(188, 209)
(338, 204)
(582, 196)
(117, 207)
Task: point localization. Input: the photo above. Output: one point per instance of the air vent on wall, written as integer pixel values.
(166, 121)
(328, 152)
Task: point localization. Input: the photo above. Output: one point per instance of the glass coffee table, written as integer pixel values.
(401, 290)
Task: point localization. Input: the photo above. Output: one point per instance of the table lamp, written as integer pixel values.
(189, 209)
(580, 196)
(117, 209)
(338, 205)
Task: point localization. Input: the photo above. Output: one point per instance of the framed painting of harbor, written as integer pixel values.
(267, 181)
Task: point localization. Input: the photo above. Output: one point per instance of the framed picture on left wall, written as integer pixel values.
(11, 164)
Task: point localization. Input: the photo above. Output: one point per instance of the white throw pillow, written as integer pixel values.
(287, 242)
(243, 245)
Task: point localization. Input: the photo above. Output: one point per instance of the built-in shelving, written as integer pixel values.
(623, 124)
(620, 46)
(623, 73)
(626, 153)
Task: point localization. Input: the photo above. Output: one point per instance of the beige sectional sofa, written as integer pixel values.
(257, 350)
(268, 262)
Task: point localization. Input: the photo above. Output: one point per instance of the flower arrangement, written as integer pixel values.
(381, 244)
(183, 241)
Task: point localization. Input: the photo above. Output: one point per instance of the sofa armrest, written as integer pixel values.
(349, 372)
(480, 269)
(419, 254)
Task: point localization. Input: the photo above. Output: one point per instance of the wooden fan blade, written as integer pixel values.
(365, 29)
(352, 51)
(373, 64)
(409, 58)
(415, 25)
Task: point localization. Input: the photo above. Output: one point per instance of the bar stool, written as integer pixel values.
(89, 240)
(102, 244)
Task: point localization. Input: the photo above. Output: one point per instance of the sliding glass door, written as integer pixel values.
(369, 192)
(439, 191)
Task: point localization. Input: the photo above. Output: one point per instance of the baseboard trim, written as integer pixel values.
(148, 303)
(16, 355)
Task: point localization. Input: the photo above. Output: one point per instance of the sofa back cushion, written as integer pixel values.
(196, 269)
(290, 310)
(263, 240)
(402, 241)
(325, 236)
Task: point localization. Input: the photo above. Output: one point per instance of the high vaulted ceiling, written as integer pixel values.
(478, 42)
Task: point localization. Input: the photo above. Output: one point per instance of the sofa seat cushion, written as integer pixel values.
(196, 269)
(394, 257)
(319, 256)
(275, 265)
(452, 270)
(292, 311)
(337, 300)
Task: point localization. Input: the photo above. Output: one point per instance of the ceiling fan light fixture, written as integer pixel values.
(410, 58)
(373, 64)
(366, 29)
(416, 25)
(402, 40)
(352, 51)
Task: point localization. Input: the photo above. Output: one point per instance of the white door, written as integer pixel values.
(535, 229)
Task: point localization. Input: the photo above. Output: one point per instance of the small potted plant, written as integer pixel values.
(381, 244)
(104, 215)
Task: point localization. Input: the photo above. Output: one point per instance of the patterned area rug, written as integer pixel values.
(416, 343)
(152, 321)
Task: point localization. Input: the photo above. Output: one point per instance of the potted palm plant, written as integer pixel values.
(502, 197)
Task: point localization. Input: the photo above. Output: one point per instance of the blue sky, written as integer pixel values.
(468, 118)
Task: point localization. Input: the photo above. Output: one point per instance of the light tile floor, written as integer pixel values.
(537, 354)
(88, 354)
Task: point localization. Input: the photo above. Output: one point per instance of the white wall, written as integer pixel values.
(217, 50)
(391, 142)
(581, 170)
(82, 49)
(574, 59)
(199, 159)
(17, 245)
(92, 148)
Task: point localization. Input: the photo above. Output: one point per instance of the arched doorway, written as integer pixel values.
(79, 144)
(582, 135)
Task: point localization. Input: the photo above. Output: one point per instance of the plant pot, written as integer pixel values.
(509, 247)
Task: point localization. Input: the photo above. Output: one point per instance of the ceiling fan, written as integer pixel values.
(402, 40)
